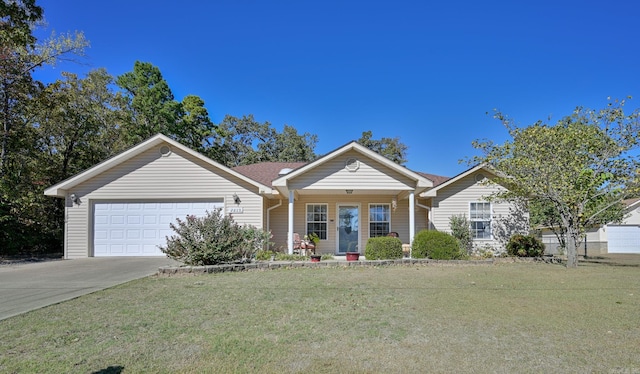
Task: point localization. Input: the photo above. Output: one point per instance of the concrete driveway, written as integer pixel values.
(25, 287)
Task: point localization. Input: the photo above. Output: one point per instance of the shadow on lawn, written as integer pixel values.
(110, 370)
(613, 259)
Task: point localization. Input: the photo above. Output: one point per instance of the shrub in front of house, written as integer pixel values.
(383, 248)
(213, 239)
(525, 246)
(461, 230)
(436, 245)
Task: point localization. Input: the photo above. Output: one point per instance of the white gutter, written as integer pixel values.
(428, 222)
(269, 214)
(423, 206)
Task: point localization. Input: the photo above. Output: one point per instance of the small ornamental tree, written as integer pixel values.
(577, 171)
(213, 239)
(461, 230)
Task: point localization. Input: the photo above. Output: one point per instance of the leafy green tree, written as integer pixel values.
(17, 19)
(77, 124)
(246, 141)
(289, 146)
(20, 55)
(153, 110)
(391, 148)
(236, 144)
(195, 129)
(579, 169)
(151, 104)
(23, 212)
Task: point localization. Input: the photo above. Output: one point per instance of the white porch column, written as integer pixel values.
(290, 224)
(412, 217)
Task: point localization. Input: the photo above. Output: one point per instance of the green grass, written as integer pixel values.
(502, 318)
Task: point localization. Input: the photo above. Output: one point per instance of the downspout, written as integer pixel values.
(412, 217)
(428, 209)
(269, 214)
(290, 224)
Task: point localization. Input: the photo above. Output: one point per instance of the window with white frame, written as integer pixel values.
(480, 218)
(379, 220)
(317, 220)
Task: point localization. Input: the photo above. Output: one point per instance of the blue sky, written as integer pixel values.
(424, 71)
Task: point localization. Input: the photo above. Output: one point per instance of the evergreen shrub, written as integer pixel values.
(436, 245)
(383, 248)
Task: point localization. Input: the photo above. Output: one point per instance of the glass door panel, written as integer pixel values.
(348, 229)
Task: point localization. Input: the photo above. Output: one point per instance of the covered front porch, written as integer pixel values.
(346, 197)
(345, 221)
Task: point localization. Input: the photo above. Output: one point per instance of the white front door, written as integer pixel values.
(138, 228)
(348, 225)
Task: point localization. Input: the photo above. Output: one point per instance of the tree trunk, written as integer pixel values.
(5, 130)
(572, 248)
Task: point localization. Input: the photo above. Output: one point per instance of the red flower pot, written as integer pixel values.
(353, 256)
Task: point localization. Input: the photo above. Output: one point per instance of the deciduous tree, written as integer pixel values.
(246, 141)
(152, 110)
(23, 215)
(152, 107)
(579, 169)
(391, 148)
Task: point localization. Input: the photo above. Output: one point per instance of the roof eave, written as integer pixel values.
(421, 182)
(60, 189)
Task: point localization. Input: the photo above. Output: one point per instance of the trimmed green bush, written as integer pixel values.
(461, 230)
(213, 239)
(525, 246)
(383, 248)
(436, 245)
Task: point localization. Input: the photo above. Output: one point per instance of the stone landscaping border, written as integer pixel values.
(271, 265)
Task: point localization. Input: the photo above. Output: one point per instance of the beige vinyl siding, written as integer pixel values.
(422, 215)
(455, 199)
(399, 218)
(371, 175)
(76, 230)
(278, 224)
(150, 176)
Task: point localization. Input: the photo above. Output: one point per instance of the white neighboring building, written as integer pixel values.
(610, 238)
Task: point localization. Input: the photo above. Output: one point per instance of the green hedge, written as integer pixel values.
(436, 245)
(383, 248)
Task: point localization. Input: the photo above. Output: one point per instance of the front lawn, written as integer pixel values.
(502, 318)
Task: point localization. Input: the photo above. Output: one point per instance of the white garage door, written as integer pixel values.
(137, 229)
(623, 239)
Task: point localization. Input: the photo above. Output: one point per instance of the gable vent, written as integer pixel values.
(352, 164)
(165, 150)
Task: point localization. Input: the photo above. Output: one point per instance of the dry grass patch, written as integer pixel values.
(504, 318)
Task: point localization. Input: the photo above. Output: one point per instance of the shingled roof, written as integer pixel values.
(266, 172)
(436, 179)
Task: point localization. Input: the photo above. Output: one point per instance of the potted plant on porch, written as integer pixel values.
(352, 253)
(353, 256)
(315, 239)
